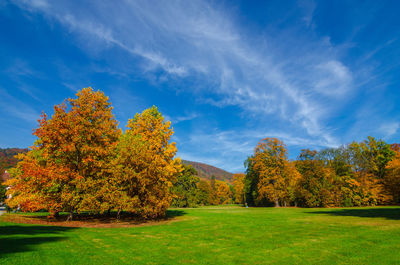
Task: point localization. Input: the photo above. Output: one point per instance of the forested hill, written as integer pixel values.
(206, 171)
(7, 157)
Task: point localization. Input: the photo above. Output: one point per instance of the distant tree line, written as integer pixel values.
(358, 174)
(191, 191)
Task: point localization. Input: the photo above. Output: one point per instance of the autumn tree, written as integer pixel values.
(371, 156)
(204, 190)
(213, 200)
(392, 177)
(223, 192)
(272, 166)
(316, 187)
(36, 184)
(185, 188)
(127, 185)
(340, 185)
(69, 163)
(292, 181)
(370, 159)
(238, 186)
(339, 159)
(144, 167)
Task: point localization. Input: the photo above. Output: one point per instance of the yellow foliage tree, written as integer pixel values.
(224, 193)
(277, 177)
(145, 168)
(238, 185)
(292, 179)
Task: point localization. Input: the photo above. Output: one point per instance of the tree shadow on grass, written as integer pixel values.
(93, 220)
(112, 217)
(174, 213)
(388, 213)
(18, 238)
(24, 238)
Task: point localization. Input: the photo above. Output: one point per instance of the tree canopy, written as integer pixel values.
(358, 174)
(82, 161)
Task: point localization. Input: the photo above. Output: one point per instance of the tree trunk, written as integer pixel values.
(285, 203)
(295, 204)
(277, 203)
(119, 214)
(70, 216)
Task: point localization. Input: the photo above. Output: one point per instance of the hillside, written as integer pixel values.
(7, 157)
(206, 171)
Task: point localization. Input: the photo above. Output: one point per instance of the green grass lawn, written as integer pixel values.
(218, 235)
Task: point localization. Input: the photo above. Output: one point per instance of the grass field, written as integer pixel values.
(217, 235)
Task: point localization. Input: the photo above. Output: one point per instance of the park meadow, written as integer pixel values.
(216, 235)
(88, 192)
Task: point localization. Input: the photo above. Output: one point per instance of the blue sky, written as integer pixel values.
(226, 73)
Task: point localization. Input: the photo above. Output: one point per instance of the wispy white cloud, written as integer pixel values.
(16, 108)
(334, 78)
(20, 68)
(181, 118)
(309, 8)
(73, 88)
(299, 79)
(196, 38)
(21, 72)
(389, 129)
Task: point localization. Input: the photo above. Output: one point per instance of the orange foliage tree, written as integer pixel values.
(277, 176)
(68, 165)
(144, 167)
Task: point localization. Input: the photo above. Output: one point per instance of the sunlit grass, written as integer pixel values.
(218, 235)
